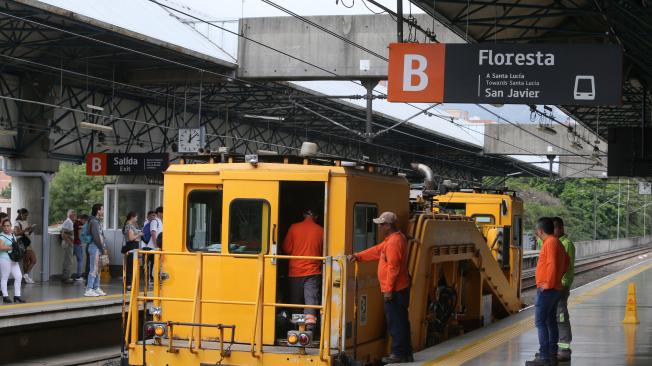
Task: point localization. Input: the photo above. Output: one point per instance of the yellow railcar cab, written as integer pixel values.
(220, 291)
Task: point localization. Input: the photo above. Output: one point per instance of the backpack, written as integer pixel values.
(84, 234)
(147, 234)
(18, 250)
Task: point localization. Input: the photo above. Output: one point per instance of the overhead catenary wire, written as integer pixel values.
(145, 54)
(500, 117)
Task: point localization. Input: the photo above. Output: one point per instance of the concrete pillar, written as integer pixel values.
(31, 168)
(27, 192)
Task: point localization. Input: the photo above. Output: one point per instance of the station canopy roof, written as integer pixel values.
(159, 50)
(624, 22)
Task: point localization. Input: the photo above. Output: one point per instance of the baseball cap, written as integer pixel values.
(386, 218)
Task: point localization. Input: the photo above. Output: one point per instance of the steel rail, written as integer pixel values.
(528, 282)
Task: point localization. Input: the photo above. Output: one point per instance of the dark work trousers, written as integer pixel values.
(129, 267)
(563, 322)
(306, 290)
(398, 323)
(545, 319)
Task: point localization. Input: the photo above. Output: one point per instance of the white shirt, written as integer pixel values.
(69, 227)
(154, 225)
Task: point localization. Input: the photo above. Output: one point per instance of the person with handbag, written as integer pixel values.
(8, 266)
(23, 231)
(97, 253)
(132, 239)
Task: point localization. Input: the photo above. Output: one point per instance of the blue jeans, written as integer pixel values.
(398, 323)
(78, 252)
(545, 319)
(93, 282)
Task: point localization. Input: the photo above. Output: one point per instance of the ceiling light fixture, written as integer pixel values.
(95, 127)
(94, 107)
(269, 118)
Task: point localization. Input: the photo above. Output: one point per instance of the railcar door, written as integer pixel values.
(235, 279)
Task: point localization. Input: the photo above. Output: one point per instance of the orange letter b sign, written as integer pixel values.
(416, 72)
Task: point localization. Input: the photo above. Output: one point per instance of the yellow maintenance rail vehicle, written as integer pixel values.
(220, 292)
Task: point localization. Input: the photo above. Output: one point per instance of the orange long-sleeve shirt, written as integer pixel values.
(392, 259)
(305, 238)
(552, 264)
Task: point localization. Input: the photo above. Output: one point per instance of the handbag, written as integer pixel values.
(18, 250)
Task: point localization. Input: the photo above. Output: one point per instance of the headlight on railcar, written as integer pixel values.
(299, 339)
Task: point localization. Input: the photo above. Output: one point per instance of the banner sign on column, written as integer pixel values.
(562, 74)
(126, 164)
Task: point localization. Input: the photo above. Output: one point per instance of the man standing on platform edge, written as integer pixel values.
(392, 257)
(552, 264)
(563, 318)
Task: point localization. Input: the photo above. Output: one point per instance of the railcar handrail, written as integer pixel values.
(135, 299)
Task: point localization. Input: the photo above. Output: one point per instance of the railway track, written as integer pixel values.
(589, 264)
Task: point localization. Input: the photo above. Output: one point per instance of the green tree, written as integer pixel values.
(589, 206)
(6, 191)
(71, 188)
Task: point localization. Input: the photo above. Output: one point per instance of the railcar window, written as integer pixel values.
(204, 221)
(248, 226)
(481, 219)
(364, 230)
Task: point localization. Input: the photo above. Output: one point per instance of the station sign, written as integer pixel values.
(561, 74)
(126, 164)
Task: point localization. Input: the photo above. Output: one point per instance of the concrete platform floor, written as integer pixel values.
(599, 337)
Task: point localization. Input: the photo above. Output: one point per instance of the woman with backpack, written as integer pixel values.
(132, 242)
(23, 231)
(8, 265)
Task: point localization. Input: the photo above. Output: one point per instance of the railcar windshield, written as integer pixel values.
(204, 220)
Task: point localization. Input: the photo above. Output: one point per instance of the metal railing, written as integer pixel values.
(256, 342)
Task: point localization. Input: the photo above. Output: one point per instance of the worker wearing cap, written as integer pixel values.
(305, 238)
(392, 257)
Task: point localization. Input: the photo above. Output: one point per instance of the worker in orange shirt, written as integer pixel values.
(305, 238)
(553, 263)
(392, 257)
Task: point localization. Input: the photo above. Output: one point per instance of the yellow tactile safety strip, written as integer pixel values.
(53, 302)
(477, 348)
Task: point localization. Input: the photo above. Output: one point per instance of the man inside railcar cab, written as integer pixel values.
(394, 284)
(305, 238)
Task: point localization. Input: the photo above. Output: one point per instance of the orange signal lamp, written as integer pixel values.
(293, 339)
(159, 330)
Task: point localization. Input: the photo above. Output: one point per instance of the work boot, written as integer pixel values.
(563, 356)
(538, 361)
(7, 300)
(393, 359)
(18, 299)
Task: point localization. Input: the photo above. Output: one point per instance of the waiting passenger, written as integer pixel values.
(132, 239)
(305, 238)
(394, 284)
(23, 231)
(8, 266)
(68, 244)
(552, 264)
(95, 250)
(78, 248)
(563, 318)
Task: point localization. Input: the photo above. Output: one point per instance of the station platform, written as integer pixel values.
(54, 301)
(599, 337)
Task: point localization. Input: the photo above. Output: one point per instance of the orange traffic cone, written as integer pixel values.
(631, 316)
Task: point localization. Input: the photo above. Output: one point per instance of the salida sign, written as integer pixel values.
(585, 74)
(125, 164)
